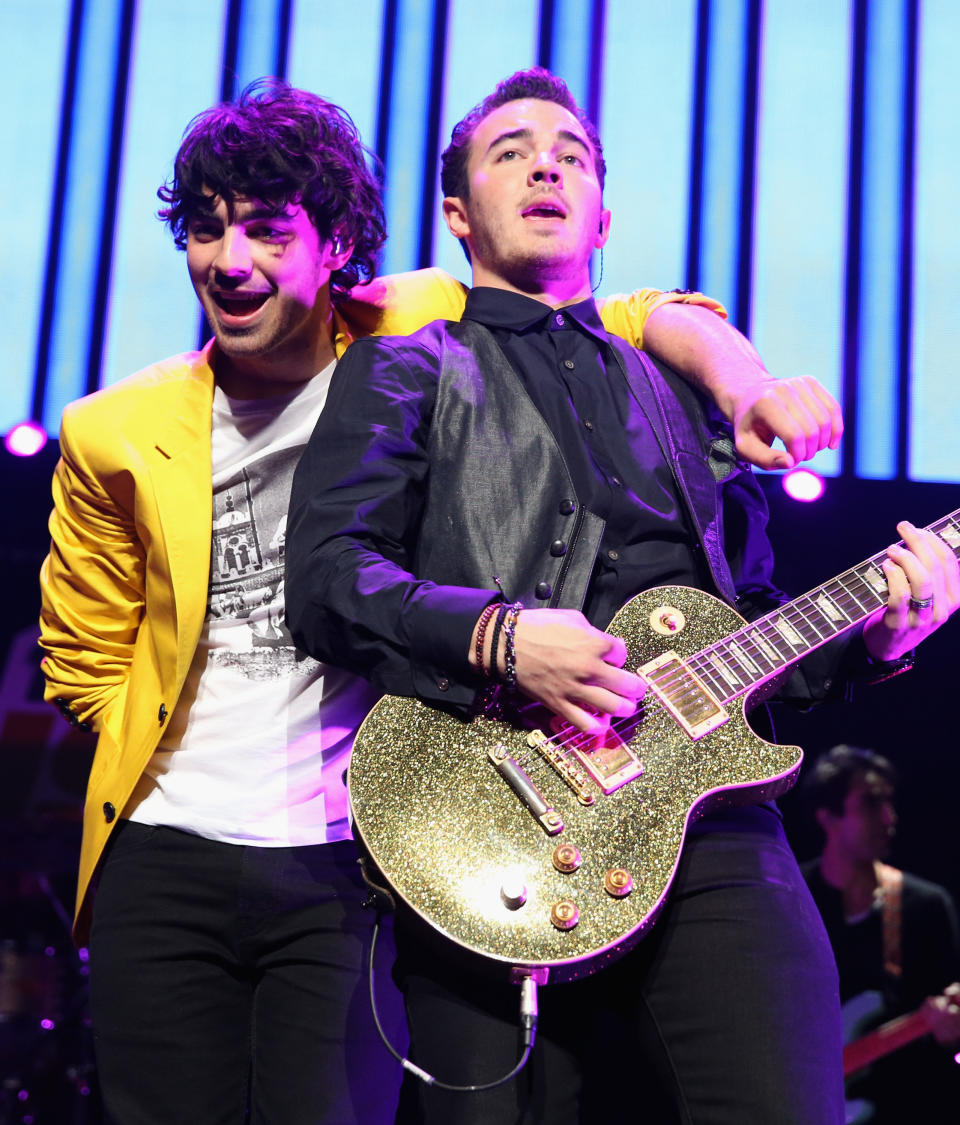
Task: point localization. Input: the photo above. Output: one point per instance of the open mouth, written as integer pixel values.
(240, 304)
(544, 210)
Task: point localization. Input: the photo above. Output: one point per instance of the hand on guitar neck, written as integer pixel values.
(924, 590)
(938, 1016)
(942, 1014)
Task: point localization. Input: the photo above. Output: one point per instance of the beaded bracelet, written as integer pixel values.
(488, 612)
(510, 655)
(494, 669)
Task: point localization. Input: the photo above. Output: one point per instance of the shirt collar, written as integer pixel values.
(502, 308)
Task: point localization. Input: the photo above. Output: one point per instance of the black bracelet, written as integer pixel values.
(510, 656)
(495, 641)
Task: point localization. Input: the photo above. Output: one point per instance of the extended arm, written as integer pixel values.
(714, 356)
(687, 331)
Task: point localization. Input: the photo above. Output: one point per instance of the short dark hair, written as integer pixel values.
(282, 145)
(833, 773)
(533, 83)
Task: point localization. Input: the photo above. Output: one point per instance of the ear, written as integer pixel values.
(604, 232)
(455, 215)
(338, 253)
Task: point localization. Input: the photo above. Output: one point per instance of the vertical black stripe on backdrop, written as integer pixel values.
(545, 34)
(388, 43)
(431, 147)
(228, 91)
(598, 26)
(284, 20)
(907, 220)
(698, 126)
(854, 256)
(108, 217)
(57, 205)
(748, 164)
(231, 50)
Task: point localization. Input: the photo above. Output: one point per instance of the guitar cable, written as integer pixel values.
(528, 1027)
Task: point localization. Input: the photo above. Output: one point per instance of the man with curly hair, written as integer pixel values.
(228, 941)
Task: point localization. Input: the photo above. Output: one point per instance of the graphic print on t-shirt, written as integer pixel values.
(246, 570)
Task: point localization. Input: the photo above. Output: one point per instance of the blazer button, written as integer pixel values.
(543, 590)
(443, 684)
(558, 548)
(567, 507)
(109, 812)
(162, 713)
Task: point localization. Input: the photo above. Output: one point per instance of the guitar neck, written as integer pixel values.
(761, 650)
(890, 1037)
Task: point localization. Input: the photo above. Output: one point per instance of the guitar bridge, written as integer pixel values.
(522, 784)
(684, 695)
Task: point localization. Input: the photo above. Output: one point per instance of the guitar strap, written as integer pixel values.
(891, 883)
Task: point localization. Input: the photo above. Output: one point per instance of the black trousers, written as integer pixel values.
(726, 1014)
(230, 980)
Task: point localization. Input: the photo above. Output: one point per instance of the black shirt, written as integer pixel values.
(566, 365)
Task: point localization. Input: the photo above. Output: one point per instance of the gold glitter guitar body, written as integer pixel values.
(530, 848)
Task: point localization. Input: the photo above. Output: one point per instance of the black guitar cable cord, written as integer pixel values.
(528, 1025)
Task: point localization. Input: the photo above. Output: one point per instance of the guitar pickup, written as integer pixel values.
(522, 784)
(607, 759)
(684, 695)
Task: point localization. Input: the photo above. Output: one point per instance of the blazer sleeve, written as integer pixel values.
(92, 583)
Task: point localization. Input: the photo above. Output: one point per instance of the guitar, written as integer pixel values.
(883, 1040)
(538, 849)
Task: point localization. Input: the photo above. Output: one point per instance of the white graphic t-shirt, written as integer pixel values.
(260, 738)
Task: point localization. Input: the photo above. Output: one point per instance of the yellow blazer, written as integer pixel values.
(125, 583)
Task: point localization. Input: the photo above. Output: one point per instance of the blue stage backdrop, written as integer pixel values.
(798, 161)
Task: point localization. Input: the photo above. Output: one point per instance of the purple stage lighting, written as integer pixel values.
(802, 484)
(25, 439)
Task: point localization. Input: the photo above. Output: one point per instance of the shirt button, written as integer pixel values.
(558, 548)
(109, 812)
(615, 480)
(162, 713)
(543, 590)
(559, 321)
(613, 555)
(569, 364)
(443, 683)
(567, 507)
(588, 424)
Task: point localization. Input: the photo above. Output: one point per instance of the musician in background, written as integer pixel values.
(476, 502)
(895, 938)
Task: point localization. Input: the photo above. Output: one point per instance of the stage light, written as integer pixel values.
(25, 439)
(802, 484)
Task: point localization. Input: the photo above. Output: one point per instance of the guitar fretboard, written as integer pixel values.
(762, 649)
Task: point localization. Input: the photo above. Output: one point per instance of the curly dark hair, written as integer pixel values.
(281, 145)
(833, 773)
(536, 82)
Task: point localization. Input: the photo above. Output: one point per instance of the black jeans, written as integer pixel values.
(726, 1014)
(225, 977)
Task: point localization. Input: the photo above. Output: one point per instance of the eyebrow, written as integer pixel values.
(260, 211)
(527, 134)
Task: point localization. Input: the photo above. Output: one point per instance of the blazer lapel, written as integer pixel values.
(182, 480)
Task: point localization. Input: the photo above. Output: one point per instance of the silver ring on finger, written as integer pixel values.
(921, 603)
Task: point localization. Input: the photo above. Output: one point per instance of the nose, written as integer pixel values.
(233, 254)
(545, 170)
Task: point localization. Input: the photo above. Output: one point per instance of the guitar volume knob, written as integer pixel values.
(566, 858)
(618, 882)
(564, 914)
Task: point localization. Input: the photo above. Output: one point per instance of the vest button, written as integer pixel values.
(558, 548)
(162, 713)
(567, 507)
(109, 812)
(543, 590)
